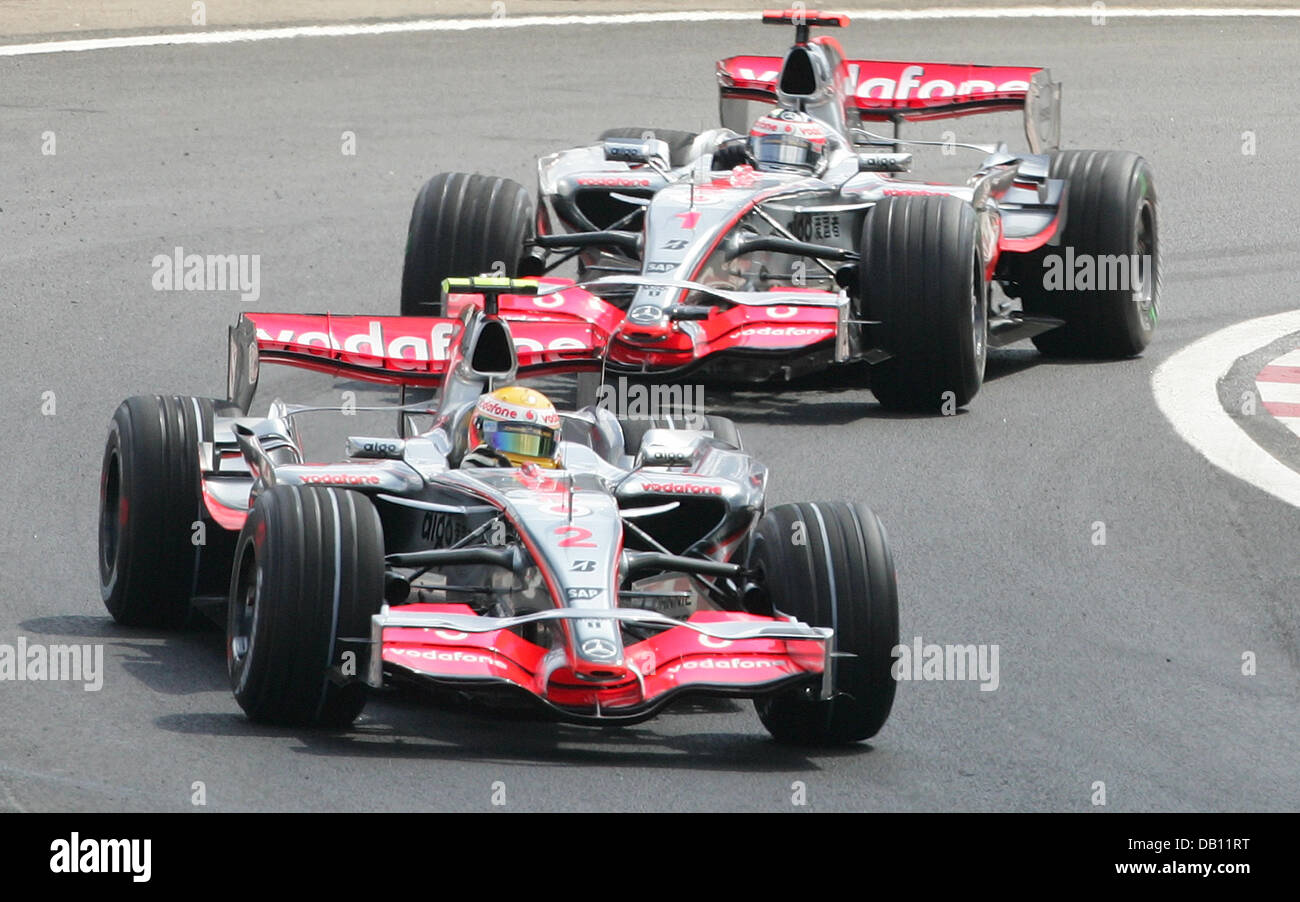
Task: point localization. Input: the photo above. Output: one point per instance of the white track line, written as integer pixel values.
(487, 23)
(1186, 390)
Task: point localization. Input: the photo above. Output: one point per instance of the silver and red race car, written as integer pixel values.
(772, 249)
(645, 569)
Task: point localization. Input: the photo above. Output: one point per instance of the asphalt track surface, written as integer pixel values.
(1119, 663)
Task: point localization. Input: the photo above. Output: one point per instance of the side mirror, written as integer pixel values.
(679, 312)
(631, 151)
(884, 162)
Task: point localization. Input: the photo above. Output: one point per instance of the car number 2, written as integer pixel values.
(576, 537)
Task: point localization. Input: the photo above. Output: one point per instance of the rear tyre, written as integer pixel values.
(828, 564)
(150, 500)
(308, 577)
(679, 142)
(462, 225)
(922, 277)
(1110, 213)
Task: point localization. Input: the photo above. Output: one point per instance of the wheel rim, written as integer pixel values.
(243, 614)
(112, 518)
(1144, 290)
(979, 321)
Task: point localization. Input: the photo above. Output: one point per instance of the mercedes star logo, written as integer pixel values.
(598, 648)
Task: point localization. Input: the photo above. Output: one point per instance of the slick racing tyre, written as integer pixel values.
(153, 528)
(679, 143)
(462, 225)
(922, 278)
(828, 564)
(1110, 227)
(309, 574)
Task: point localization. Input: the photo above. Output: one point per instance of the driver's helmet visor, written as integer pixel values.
(785, 150)
(523, 439)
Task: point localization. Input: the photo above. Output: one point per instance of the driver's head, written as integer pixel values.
(518, 423)
(788, 141)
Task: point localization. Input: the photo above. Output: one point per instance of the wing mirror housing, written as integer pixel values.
(632, 151)
(884, 162)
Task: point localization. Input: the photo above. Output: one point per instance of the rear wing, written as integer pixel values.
(414, 351)
(887, 91)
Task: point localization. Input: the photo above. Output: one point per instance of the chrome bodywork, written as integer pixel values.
(580, 560)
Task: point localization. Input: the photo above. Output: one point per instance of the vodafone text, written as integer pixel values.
(911, 83)
(413, 348)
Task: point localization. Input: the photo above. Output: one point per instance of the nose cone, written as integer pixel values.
(596, 651)
(601, 686)
(647, 331)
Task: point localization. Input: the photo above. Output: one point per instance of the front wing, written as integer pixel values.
(795, 330)
(712, 653)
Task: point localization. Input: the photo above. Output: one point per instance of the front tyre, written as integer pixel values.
(309, 574)
(828, 564)
(922, 278)
(462, 225)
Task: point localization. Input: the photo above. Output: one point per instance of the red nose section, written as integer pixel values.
(601, 685)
